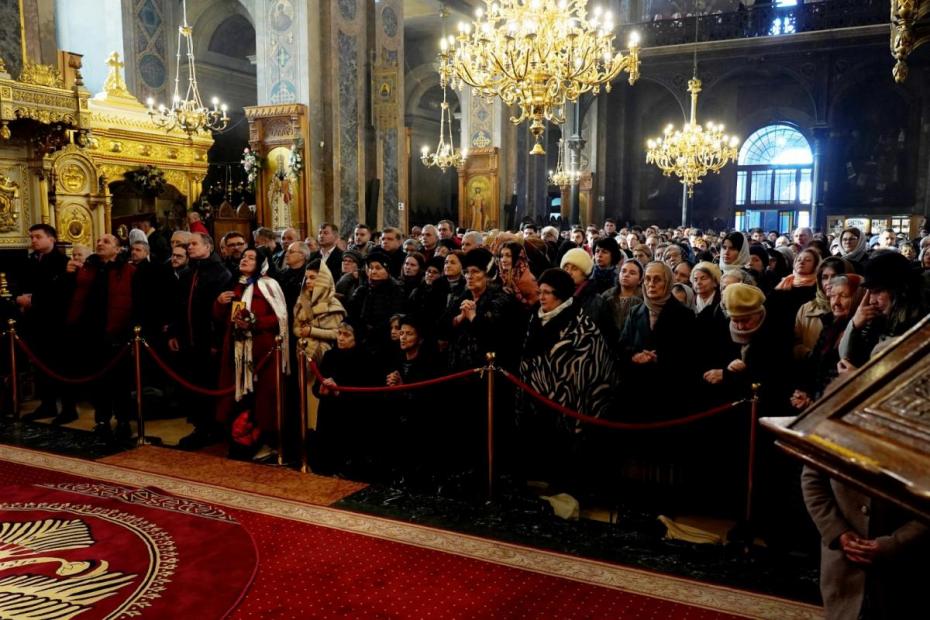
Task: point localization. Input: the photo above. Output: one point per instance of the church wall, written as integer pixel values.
(875, 149)
(94, 29)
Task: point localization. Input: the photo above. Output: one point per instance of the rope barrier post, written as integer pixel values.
(490, 369)
(137, 355)
(304, 413)
(14, 376)
(753, 423)
(278, 400)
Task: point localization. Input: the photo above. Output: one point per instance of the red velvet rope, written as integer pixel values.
(397, 388)
(72, 380)
(627, 426)
(168, 370)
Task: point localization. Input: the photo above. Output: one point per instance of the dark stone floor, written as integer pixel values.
(59, 440)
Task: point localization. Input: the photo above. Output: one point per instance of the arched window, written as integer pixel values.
(773, 179)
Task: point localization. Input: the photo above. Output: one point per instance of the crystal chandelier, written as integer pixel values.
(538, 54)
(694, 151)
(188, 114)
(445, 156)
(562, 176)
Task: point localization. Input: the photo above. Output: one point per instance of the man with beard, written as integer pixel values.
(234, 244)
(194, 332)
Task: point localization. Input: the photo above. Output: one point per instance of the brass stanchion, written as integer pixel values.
(137, 354)
(278, 401)
(490, 376)
(753, 423)
(14, 376)
(304, 413)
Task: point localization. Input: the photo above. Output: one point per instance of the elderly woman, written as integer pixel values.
(654, 344)
(252, 324)
(814, 315)
(372, 306)
(483, 319)
(891, 306)
(628, 293)
(820, 367)
(515, 275)
(318, 312)
(566, 359)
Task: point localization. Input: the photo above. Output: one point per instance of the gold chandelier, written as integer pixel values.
(445, 156)
(693, 151)
(564, 176)
(188, 114)
(538, 54)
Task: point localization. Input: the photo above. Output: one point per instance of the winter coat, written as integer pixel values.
(497, 316)
(808, 323)
(895, 583)
(199, 288)
(372, 307)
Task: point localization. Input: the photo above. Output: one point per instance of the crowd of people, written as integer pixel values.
(607, 321)
(635, 324)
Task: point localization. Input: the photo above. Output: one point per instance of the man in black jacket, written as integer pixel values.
(39, 301)
(194, 331)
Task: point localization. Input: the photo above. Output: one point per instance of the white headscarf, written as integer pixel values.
(242, 354)
(741, 261)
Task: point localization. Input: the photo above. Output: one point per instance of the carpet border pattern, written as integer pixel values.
(633, 580)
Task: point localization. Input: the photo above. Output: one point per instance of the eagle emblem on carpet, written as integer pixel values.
(91, 551)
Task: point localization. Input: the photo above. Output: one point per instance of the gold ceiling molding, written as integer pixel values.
(41, 75)
(42, 95)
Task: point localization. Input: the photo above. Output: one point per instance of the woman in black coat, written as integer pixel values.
(372, 306)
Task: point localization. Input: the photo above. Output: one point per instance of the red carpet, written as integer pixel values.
(98, 550)
(317, 562)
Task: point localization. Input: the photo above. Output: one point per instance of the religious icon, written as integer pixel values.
(280, 188)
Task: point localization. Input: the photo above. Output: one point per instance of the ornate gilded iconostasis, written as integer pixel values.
(123, 141)
(276, 136)
(63, 155)
(41, 111)
(479, 189)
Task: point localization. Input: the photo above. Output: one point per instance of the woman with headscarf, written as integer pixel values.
(428, 300)
(515, 275)
(820, 366)
(318, 312)
(734, 252)
(655, 340)
(854, 247)
(371, 307)
(566, 359)
(257, 317)
(815, 314)
(627, 294)
(795, 290)
(684, 294)
(412, 272)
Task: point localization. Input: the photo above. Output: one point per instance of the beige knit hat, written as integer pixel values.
(579, 258)
(710, 269)
(741, 300)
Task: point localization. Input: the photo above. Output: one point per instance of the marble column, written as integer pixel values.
(388, 89)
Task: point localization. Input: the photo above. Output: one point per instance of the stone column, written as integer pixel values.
(818, 183)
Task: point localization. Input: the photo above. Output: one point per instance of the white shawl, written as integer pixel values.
(245, 372)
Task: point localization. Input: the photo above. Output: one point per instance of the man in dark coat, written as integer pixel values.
(329, 252)
(102, 311)
(39, 301)
(195, 333)
(158, 239)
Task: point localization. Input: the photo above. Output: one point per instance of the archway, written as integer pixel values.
(433, 193)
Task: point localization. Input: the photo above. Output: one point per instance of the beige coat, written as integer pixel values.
(321, 312)
(808, 323)
(896, 580)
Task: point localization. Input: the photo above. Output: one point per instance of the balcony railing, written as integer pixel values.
(762, 21)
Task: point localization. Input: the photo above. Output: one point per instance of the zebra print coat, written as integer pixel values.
(568, 361)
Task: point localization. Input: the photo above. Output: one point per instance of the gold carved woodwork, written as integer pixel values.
(41, 75)
(75, 224)
(9, 204)
(384, 94)
(479, 190)
(115, 85)
(72, 179)
(910, 28)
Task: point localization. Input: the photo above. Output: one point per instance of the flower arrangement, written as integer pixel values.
(295, 162)
(252, 164)
(148, 180)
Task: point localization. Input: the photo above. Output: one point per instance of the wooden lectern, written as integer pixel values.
(872, 430)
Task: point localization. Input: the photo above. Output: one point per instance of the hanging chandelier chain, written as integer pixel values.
(189, 114)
